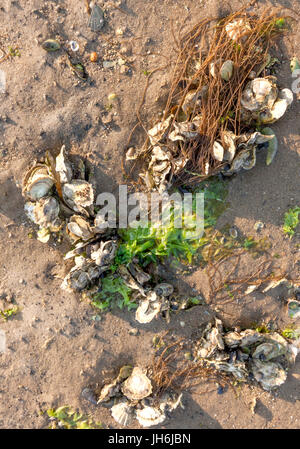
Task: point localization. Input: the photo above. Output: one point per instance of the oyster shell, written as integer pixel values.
(150, 416)
(278, 109)
(109, 391)
(184, 131)
(78, 195)
(218, 151)
(193, 101)
(170, 401)
(164, 289)
(43, 235)
(44, 213)
(129, 280)
(242, 339)
(136, 271)
(270, 374)
(148, 308)
(238, 29)
(237, 369)
(268, 351)
(37, 182)
(63, 167)
(137, 386)
(160, 131)
(51, 45)
(79, 228)
(212, 340)
(81, 275)
(103, 253)
(294, 308)
(245, 158)
(123, 413)
(260, 93)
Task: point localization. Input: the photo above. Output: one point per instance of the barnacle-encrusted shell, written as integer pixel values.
(78, 194)
(269, 374)
(123, 413)
(137, 386)
(150, 416)
(37, 182)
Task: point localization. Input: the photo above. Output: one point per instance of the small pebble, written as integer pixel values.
(133, 331)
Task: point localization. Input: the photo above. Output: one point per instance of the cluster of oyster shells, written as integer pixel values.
(59, 201)
(262, 103)
(164, 160)
(151, 301)
(247, 354)
(130, 396)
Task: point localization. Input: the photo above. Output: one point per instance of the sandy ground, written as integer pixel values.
(54, 348)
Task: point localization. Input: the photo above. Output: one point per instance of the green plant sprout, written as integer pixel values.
(291, 220)
(5, 314)
(65, 417)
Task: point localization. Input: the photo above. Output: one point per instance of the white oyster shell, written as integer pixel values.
(78, 195)
(63, 167)
(260, 93)
(137, 386)
(37, 182)
(148, 308)
(237, 29)
(123, 413)
(150, 416)
(79, 228)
